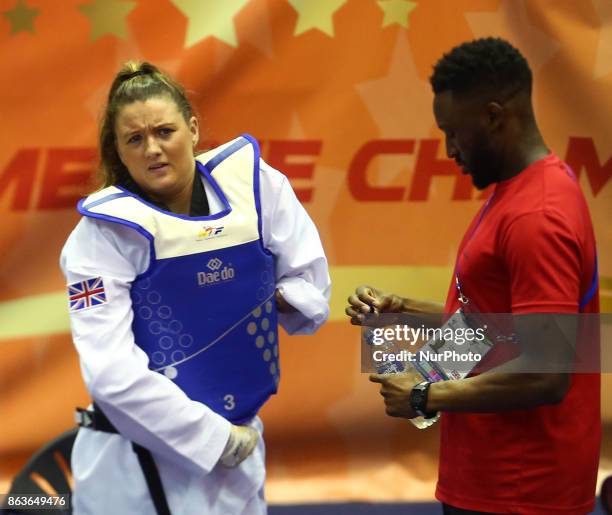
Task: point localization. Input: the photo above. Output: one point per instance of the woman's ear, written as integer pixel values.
(195, 130)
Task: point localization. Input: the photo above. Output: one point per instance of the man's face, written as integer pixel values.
(464, 123)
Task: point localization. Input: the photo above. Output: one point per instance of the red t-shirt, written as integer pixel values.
(533, 251)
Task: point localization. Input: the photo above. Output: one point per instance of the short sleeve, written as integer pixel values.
(543, 259)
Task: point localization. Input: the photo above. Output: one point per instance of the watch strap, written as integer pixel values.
(418, 399)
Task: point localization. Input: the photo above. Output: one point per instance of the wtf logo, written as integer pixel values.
(206, 233)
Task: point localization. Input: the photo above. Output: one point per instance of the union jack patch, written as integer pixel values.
(86, 294)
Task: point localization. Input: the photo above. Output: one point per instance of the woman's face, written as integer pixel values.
(156, 144)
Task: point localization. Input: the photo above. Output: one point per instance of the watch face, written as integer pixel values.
(418, 398)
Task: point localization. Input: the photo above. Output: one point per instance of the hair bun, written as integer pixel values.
(133, 69)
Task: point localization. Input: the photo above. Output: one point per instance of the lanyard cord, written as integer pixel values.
(462, 298)
(592, 289)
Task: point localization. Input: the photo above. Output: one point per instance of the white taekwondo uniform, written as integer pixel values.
(139, 391)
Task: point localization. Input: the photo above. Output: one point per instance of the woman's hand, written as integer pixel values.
(241, 443)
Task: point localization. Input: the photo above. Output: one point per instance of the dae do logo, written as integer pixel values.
(217, 273)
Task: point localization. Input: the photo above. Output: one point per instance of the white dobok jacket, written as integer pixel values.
(185, 437)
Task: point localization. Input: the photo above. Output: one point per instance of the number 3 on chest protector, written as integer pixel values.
(230, 403)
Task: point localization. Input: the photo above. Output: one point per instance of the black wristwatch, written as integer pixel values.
(418, 399)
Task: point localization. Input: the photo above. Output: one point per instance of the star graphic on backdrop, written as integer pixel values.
(21, 17)
(603, 59)
(328, 184)
(511, 22)
(396, 11)
(107, 17)
(401, 97)
(210, 18)
(257, 31)
(316, 14)
(398, 100)
(125, 50)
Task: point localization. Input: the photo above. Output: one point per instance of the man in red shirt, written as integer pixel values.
(523, 443)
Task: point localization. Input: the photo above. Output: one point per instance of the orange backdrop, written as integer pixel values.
(337, 93)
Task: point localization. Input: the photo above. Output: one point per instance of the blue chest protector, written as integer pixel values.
(204, 311)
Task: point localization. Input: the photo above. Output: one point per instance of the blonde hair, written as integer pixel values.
(136, 81)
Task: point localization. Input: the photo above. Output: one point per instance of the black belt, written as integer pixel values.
(98, 421)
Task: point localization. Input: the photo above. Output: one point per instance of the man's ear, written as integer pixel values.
(495, 115)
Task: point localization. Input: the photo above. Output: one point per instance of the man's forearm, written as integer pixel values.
(537, 376)
(420, 306)
(497, 392)
(425, 312)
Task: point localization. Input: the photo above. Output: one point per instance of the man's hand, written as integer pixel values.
(396, 388)
(241, 443)
(367, 299)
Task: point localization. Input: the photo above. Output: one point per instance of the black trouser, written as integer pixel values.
(447, 509)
